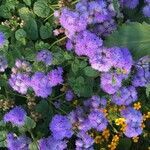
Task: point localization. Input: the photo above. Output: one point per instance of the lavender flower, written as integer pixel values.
(44, 56)
(110, 82)
(133, 121)
(84, 141)
(129, 3)
(55, 77)
(2, 39)
(3, 63)
(72, 21)
(16, 116)
(98, 120)
(69, 95)
(69, 45)
(125, 96)
(17, 143)
(52, 144)
(20, 82)
(61, 127)
(40, 85)
(87, 43)
(101, 60)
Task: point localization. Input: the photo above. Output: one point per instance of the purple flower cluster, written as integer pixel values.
(55, 77)
(61, 127)
(125, 96)
(40, 85)
(16, 116)
(69, 95)
(129, 3)
(146, 9)
(52, 144)
(2, 39)
(3, 63)
(17, 143)
(133, 121)
(142, 72)
(44, 56)
(20, 82)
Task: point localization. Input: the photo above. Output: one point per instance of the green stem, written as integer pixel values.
(34, 140)
(48, 17)
(57, 42)
(74, 2)
(57, 97)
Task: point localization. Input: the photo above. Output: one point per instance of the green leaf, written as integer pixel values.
(30, 23)
(148, 90)
(90, 72)
(33, 146)
(27, 2)
(6, 30)
(134, 36)
(29, 124)
(20, 35)
(41, 9)
(3, 135)
(4, 11)
(46, 31)
(124, 144)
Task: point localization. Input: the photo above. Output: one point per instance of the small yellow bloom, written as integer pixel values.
(135, 139)
(75, 102)
(120, 121)
(98, 139)
(148, 115)
(106, 134)
(137, 105)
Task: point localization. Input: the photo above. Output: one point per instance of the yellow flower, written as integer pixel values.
(106, 133)
(75, 102)
(120, 121)
(137, 105)
(98, 139)
(148, 115)
(135, 139)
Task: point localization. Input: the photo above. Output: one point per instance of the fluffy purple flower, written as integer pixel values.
(133, 120)
(142, 73)
(52, 144)
(69, 95)
(121, 59)
(2, 39)
(146, 11)
(61, 127)
(84, 141)
(101, 60)
(69, 45)
(3, 63)
(87, 43)
(20, 82)
(40, 85)
(16, 116)
(129, 3)
(125, 96)
(98, 120)
(55, 77)
(44, 56)
(110, 82)
(17, 143)
(72, 21)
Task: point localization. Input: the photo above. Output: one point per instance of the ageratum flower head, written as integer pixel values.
(52, 144)
(20, 82)
(72, 21)
(40, 85)
(3, 63)
(87, 43)
(97, 120)
(16, 116)
(111, 82)
(121, 59)
(55, 76)
(146, 11)
(2, 39)
(61, 127)
(69, 95)
(125, 96)
(133, 122)
(129, 3)
(101, 60)
(17, 143)
(141, 77)
(84, 141)
(44, 56)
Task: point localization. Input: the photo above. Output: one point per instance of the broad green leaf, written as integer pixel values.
(3, 135)
(124, 144)
(90, 72)
(27, 2)
(6, 30)
(135, 36)
(46, 31)
(33, 146)
(5, 12)
(148, 90)
(41, 9)
(20, 36)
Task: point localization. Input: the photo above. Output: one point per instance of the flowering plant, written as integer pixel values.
(74, 74)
